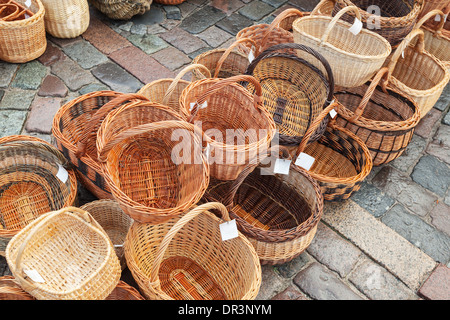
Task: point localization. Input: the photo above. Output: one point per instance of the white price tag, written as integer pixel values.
(251, 56)
(333, 113)
(208, 151)
(28, 3)
(62, 174)
(282, 166)
(403, 54)
(34, 275)
(228, 230)
(356, 27)
(305, 161)
(201, 106)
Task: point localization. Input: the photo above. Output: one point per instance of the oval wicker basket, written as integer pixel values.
(113, 220)
(383, 118)
(23, 40)
(31, 183)
(122, 9)
(186, 259)
(354, 59)
(234, 117)
(393, 20)
(294, 91)
(64, 255)
(419, 74)
(342, 160)
(10, 290)
(152, 175)
(66, 19)
(277, 213)
(124, 291)
(167, 91)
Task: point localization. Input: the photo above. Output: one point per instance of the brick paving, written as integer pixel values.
(389, 241)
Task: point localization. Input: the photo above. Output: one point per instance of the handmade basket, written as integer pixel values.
(152, 175)
(430, 5)
(267, 35)
(75, 128)
(342, 160)
(382, 117)
(277, 213)
(294, 90)
(393, 20)
(234, 117)
(10, 12)
(64, 255)
(66, 19)
(167, 91)
(124, 291)
(324, 7)
(10, 290)
(224, 63)
(113, 220)
(186, 259)
(435, 41)
(122, 9)
(34, 179)
(419, 74)
(354, 59)
(23, 40)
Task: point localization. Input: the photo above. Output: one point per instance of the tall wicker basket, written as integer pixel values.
(66, 19)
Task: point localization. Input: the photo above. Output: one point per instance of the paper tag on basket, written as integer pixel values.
(229, 230)
(201, 106)
(34, 275)
(62, 174)
(282, 166)
(251, 56)
(403, 54)
(333, 113)
(305, 161)
(356, 27)
(28, 3)
(118, 245)
(207, 151)
(437, 18)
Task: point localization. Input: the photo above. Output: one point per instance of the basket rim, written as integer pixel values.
(23, 23)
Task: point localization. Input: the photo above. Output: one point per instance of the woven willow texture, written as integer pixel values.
(122, 9)
(66, 19)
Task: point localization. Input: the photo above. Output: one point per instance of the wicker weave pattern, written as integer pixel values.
(124, 291)
(66, 19)
(122, 9)
(10, 290)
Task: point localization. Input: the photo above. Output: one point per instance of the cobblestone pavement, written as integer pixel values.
(389, 241)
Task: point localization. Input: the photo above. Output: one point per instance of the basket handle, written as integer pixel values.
(276, 23)
(99, 114)
(229, 50)
(25, 283)
(320, 5)
(301, 47)
(3, 7)
(175, 81)
(226, 82)
(177, 227)
(382, 74)
(429, 15)
(336, 18)
(420, 45)
(313, 127)
(103, 150)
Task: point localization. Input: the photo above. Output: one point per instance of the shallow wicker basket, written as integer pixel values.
(382, 117)
(122, 9)
(419, 74)
(354, 59)
(113, 220)
(10, 290)
(186, 259)
(66, 19)
(64, 255)
(277, 213)
(23, 40)
(123, 291)
(32, 174)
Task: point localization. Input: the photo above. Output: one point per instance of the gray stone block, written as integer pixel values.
(11, 122)
(85, 54)
(29, 76)
(432, 174)
(202, 19)
(116, 78)
(372, 199)
(7, 70)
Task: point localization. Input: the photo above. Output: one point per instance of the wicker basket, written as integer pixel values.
(10, 290)
(234, 117)
(383, 118)
(430, 5)
(267, 35)
(152, 175)
(224, 63)
(186, 259)
(323, 8)
(66, 19)
(167, 91)
(354, 59)
(11, 11)
(113, 220)
(122, 9)
(32, 182)
(64, 255)
(23, 40)
(294, 91)
(75, 128)
(342, 160)
(419, 74)
(393, 20)
(277, 213)
(124, 291)
(435, 41)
